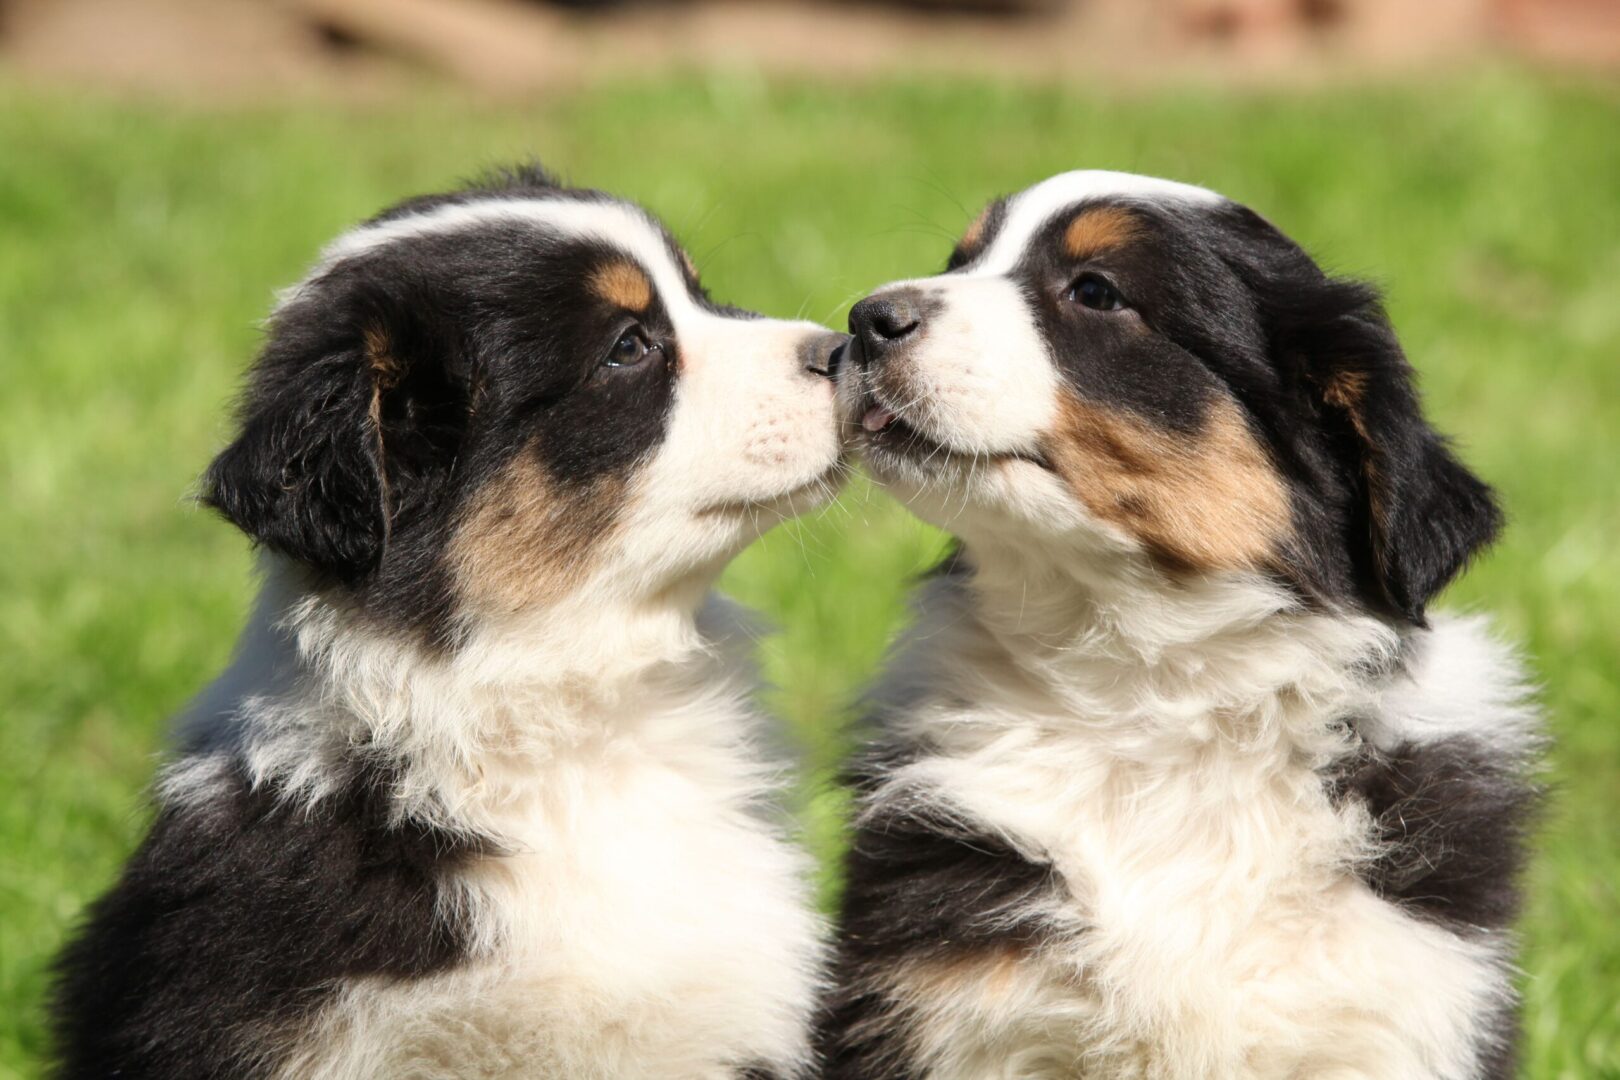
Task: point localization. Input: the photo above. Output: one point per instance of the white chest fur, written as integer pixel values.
(635, 910)
(637, 927)
(1212, 923)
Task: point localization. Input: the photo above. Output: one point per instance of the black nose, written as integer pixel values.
(881, 322)
(823, 353)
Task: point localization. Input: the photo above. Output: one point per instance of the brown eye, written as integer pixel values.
(630, 350)
(1096, 292)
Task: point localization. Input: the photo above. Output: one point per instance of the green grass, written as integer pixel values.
(139, 246)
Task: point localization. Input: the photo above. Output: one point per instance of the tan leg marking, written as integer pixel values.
(975, 979)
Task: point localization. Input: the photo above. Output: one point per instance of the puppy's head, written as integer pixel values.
(1125, 363)
(479, 402)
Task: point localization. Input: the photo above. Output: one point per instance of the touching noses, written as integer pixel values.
(822, 354)
(882, 323)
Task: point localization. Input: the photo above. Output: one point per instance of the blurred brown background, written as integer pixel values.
(247, 49)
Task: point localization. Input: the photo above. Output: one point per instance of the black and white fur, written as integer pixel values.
(479, 795)
(1175, 777)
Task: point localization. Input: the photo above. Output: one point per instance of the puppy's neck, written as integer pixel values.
(1114, 639)
(314, 686)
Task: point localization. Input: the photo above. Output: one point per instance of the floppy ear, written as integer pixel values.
(341, 435)
(305, 475)
(1425, 513)
(1419, 514)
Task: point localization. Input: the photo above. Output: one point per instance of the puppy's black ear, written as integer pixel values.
(342, 429)
(305, 475)
(1422, 513)
(1418, 514)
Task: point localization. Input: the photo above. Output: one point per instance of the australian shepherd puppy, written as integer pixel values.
(478, 796)
(1176, 777)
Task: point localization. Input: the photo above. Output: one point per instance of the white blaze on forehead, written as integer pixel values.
(618, 224)
(983, 377)
(1033, 207)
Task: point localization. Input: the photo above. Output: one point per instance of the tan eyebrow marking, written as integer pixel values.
(1093, 232)
(974, 235)
(624, 284)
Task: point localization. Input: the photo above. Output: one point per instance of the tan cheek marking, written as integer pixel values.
(1210, 501)
(623, 284)
(523, 541)
(1093, 232)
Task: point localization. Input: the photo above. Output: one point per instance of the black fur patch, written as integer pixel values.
(1218, 302)
(919, 883)
(398, 382)
(1454, 819)
(915, 879)
(236, 919)
(1379, 499)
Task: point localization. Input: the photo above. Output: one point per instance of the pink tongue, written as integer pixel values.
(876, 419)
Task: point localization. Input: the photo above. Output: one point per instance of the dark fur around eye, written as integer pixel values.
(1384, 514)
(398, 383)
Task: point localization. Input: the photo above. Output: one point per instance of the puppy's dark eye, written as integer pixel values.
(630, 350)
(1096, 292)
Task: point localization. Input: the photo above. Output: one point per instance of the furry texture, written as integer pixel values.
(1177, 778)
(480, 795)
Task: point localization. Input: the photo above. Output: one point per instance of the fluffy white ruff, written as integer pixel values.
(645, 918)
(1160, 745)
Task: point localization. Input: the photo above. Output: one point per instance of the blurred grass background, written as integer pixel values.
(139, 246)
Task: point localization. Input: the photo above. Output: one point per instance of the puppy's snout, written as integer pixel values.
(880, 323)
(824, 354)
